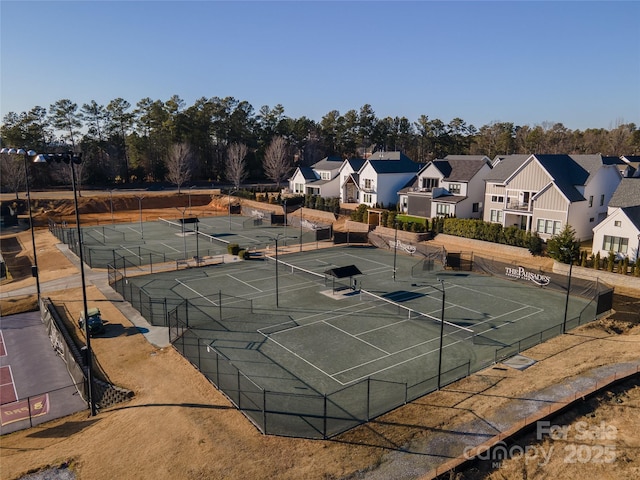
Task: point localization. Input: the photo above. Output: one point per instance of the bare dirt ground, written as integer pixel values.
(179, 426)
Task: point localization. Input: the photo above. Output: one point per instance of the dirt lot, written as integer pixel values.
(179, 426)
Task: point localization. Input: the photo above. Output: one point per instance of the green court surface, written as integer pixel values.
(169, 240)
(296, 328)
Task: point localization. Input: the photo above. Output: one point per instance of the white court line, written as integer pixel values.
(130, 251)
(4, 345)
(426, 353)
(303, 359)
(353, 336)
(245, 283)
(12, 382)
(490, 295)
(98, 232)
(196, 292)
(133, 229)
(169, 246)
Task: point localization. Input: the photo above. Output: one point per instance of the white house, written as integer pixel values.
(620, 231)
(322, 178)
(453, 186)
(349, 183)
(543, 193)
(379, 179)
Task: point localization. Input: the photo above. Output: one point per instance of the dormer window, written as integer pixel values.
(430, 183)
(454, 188)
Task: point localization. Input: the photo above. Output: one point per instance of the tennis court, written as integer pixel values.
(177, 238)
(299, 329)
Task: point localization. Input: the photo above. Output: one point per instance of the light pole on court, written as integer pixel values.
(441, 332)
(395, 248)
(74, 159)
(570, 251)
(229, 204)
(140, 198)
(111, 202)
(26, 155)
(184, 237)
(275, 239)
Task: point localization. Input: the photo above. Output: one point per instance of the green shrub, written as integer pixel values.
(596, 263)
(233, 249)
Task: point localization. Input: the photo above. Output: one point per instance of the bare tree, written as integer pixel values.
(236, 171)
(12, 171)
(179, 164)
(276, 164)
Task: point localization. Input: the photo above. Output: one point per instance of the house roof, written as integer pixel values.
(356, 163)
(484, 158)
(504, 167)
(566, 173)
(627, 194)
(308, 173)
(328, 163)
(460, 169)
(634, 215)
(393, 162)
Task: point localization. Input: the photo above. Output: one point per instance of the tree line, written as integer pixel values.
(226, 140)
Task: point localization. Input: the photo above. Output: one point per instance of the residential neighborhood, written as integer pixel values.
(597, 196)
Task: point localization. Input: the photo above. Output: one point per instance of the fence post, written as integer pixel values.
(324, 417)
(29, 407)
(220, 303)
(264, 411)
(368, 397)
(239, 392)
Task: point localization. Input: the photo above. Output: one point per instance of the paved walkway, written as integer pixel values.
(158, 336)
(445, 450)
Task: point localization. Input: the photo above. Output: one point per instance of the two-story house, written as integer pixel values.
(620, 231)
(322, 178)
(349, 181)
(378, 179)
(543, 193)
(452, 186)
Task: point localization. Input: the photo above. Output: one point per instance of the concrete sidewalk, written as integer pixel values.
(446, 450)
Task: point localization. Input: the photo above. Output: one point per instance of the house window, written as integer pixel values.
(454, 188)
(325, 175)
(475, 207)
(430, 183)
(298, 188)
(496, 216)
(366, 198)
(497, 198)
(550, 227)
(601, 200)
(442, 209)
(591, 201)
(615, 244)
(591, 219)
(368, 183)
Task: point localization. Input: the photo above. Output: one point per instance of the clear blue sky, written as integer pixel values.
(523, 62)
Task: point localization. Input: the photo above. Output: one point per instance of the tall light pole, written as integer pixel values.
(184, 237)
(229, 204)
(26, 154)
(275, 239)
(74, 159)
(441, 333)
(566, 303)
(111, 202)
(190, 188)
(395, 248)
(140, 197)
